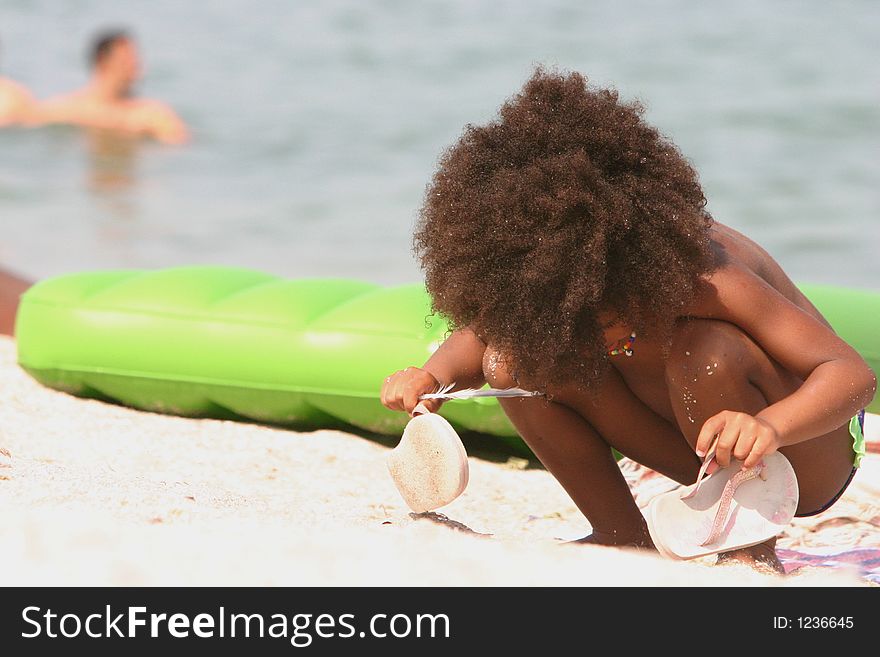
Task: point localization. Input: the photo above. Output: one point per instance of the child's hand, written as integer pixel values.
(740, 435)
(401, 390)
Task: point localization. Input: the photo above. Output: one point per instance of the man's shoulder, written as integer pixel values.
(151, 106)
(16, 102)
(69, 99)
(8, 84)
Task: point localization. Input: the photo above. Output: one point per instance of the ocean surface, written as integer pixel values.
(317, 124)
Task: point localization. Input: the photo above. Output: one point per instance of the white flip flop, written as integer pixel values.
(429, 466)
(732, 508)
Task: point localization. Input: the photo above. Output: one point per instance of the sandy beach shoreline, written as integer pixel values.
(98, 494)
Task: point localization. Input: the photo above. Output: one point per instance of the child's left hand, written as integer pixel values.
(740, 435)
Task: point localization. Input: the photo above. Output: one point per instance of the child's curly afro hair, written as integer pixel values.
(566, 205)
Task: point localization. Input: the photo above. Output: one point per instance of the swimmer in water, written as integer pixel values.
(16, 103)
(108, 102)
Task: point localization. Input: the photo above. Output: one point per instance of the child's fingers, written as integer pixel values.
(393, 392)
(710, 429)
(753, 458)
(744, 445)
(411, 392)
(726, 442)
(401, 390)
(400, 393)
(759, 450)
(384, 393)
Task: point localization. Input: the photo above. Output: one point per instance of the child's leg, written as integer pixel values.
(583, 464)
(571, 436)
(714, 366)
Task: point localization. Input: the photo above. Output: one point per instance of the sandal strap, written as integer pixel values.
(721, 515)
(707, 461)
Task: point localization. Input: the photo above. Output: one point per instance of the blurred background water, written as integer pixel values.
(317, 124)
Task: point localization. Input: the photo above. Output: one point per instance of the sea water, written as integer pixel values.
(317, 124)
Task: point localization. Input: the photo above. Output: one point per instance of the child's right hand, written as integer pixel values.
(401, 390)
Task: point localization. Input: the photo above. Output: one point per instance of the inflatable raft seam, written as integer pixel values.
(193, 379)
(205, 317)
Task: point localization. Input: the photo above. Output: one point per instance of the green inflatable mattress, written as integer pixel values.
(225, 342)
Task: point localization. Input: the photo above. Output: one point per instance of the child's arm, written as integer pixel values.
(459, 359)
(837, 381)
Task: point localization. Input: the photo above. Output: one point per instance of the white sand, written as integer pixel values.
(100, 494)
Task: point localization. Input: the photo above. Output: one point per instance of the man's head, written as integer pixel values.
(114, 56)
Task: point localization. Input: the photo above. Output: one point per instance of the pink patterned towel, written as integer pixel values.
(867, 560)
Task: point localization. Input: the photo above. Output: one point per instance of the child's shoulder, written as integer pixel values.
(743, 270)
(737, 289)
(730, 281)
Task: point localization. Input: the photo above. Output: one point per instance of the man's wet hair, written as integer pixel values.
(103, 43)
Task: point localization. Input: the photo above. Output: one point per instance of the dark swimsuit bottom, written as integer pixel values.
(825, 507)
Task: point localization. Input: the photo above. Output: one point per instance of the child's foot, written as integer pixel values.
(640, 542)
(762, 557)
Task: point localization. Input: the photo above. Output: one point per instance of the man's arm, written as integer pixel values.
(167, 127)
(16, 103)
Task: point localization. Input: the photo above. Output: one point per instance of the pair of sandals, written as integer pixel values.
(730, 509)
